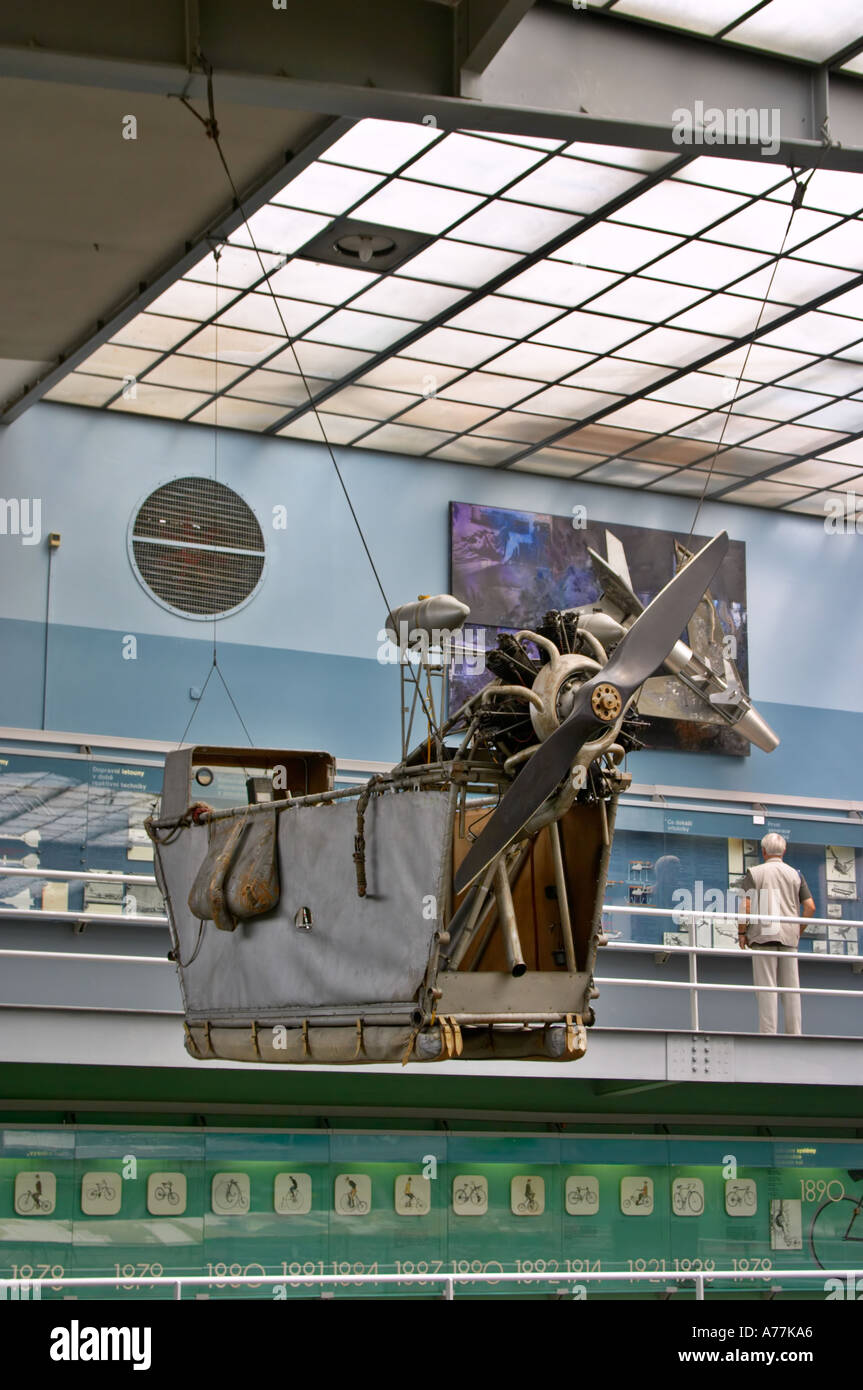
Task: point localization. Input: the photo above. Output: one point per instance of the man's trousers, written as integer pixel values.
(768, 971)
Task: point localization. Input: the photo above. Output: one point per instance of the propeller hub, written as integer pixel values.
(606, 702)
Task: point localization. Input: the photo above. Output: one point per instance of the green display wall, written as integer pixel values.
(90, 1202)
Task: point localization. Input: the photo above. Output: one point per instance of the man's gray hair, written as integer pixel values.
(773, 844)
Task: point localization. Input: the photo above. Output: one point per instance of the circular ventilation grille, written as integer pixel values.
(197, 547)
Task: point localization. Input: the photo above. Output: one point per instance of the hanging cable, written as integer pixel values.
(211, 126)
(797, 198)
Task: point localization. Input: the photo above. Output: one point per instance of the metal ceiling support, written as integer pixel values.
(573, 60)
(578, 83)
(164, 277)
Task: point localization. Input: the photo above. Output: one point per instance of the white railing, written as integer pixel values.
(447, 1281)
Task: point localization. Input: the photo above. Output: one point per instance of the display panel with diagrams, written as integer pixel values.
(365, 1203)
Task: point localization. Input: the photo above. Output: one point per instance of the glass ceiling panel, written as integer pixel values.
(79, 388)
(673, 450)
(544, 363)
(817, 332)
(276, 387)
(365, 402)
(614, 247)
(487, 388)
(651, 300)
(688, 483)
(646, 160)
(698, 388)
(535, 142)
(842, 246)
(337, 429)
(568, 402)
(472, 450)
(159, 400)
(679, 208)
(759, 363)
(327, 188)
(527, 429)
(480, 166)
(617, 375)
(832, 190)
(729, 313)
(325, 284)
(458, 348)
(514, 226)
(516, 318)
(818, 473)
(231, 345)
(627, 473)
(795, 281)
(774, 403)
(724, 429)
(764, 494)
(454, 263)
(841, 415)
(796, 439)
(704, 263)
(419, 298)
(319, 360)
(154, 331)
(445, 415)
(655, 416)
(573, 185)
(239, 414)
(111, 360)
(408, 374)
(260, 313)
(738, 175)
(345, 328)
(671, 346)
(564, 463)
(831, 376)
(591, 332)
(555, 282)
(847, 453)
(234, 266)
(277, 229)
(800, 29)
(404, 439)
(382, 145)
(698, 16)
(194, 374)
(193, 299)
(764, 225)
(745, 462)
(416, 206)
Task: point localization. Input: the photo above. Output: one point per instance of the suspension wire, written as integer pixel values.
(211, 126)
(796, 203)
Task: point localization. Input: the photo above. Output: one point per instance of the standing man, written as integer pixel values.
(777, 888)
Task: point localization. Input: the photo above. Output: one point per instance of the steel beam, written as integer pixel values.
(574, 92)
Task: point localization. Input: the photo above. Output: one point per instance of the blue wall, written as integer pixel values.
(301, 658)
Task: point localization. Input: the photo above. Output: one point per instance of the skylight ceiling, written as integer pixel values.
(574, 310)
(791, 28)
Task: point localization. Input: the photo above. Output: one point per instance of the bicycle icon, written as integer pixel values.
(687, 1197)
(33, 1199)
(641, 1198)
(832, 1224)
(581, 1196)
(102, 1190)
(349, 1201)
(470, 1192)
(165, 1192)
(531, 1202)
(290, 1199)
(740, 1194)
(230, 1194)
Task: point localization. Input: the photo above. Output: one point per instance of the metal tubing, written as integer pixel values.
(562, 899)
(508, 924)
(693, 980)
(488, 926)
(465, 933)
(79, 875)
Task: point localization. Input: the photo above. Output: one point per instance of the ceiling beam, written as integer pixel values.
(498, 106)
